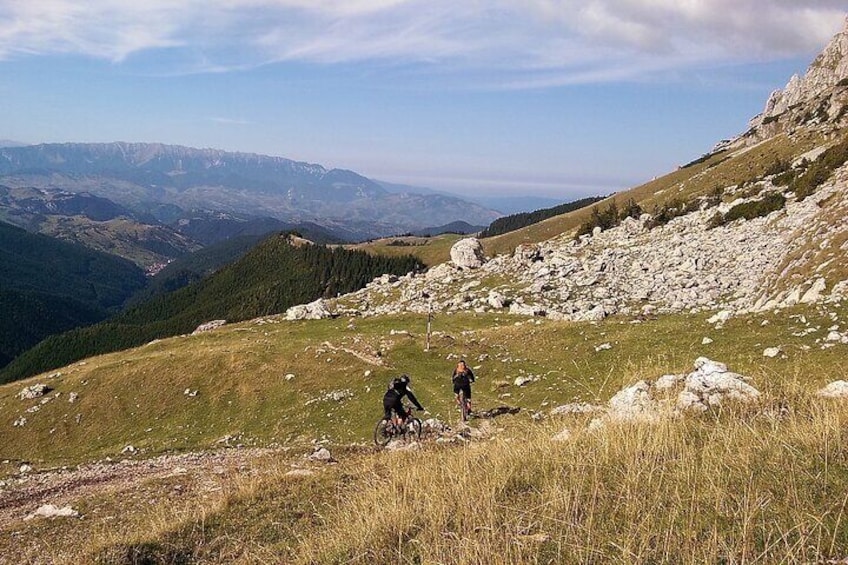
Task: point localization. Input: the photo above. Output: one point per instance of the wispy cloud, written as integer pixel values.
(533, 43)
(230, 121)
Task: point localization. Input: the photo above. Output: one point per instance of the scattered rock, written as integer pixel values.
(34, 391)
(836, 389)
(497, 300)
(129, 449)
(575, 408)
(189, 392)
(209, 326)
(73, 397)
(720, 317)
(836, 337)
(321, 454)
(20, 422)
(564, 435)
(633, 403)
(706, 341)
(289, 376)
(603, 347)
(433, 426)
(814, 294)
(25, 468)
(521, 381)
(52, 511)
(316, 310)
(401, 445)
(339, 395)
(667, 382)
(772, 352)
(710, 385)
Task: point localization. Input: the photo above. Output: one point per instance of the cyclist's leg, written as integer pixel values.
(388, 405)
(467, 390)
(398, 409)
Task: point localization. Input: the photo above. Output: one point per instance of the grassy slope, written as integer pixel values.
(429, 250)
(240, 371)
(731, 486)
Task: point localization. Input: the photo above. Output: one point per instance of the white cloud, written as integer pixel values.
(525, 42)
(230, 121)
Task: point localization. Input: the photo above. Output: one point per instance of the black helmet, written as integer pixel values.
(404, 378)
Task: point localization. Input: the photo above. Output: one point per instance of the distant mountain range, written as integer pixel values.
(505, 205)
(167, 182)
(462, 228)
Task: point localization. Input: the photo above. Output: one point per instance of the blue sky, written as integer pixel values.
(559, 98)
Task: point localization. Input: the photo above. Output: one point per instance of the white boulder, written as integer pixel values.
(209, 326)
(467, 253)
(34, 391)
(710, 384)
(836, 389)
(316, 310)
(771, 352)
(322, 454)
(53, 511)
(633, 403)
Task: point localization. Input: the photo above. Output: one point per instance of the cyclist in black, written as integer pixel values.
(462, 378)
(392, 400)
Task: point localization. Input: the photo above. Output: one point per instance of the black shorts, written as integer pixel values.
(395, 405)
(463, 386)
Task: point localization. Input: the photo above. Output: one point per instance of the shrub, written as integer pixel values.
(755, 208)
(819, 171)
(610, 217)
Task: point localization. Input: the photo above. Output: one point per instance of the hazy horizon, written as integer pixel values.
(552, 98)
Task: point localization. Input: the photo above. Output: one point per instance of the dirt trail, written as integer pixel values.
(23, 494)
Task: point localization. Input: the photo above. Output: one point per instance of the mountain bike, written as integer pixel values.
(406, 429)
(464, 405)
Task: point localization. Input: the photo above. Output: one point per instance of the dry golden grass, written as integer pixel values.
(759, 484)
(728, 488)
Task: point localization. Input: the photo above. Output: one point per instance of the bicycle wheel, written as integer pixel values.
(412, 430)
(463, 406)
(383, 433)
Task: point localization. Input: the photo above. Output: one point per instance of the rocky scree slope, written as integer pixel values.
(794, 254)
(790, 256)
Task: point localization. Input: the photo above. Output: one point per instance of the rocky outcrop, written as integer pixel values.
(316, 310)
(34, 391)
(826, 72)
(467, 253)
(209, 326)
(710, 385)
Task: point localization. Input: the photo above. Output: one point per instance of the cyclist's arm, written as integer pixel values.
(471, 375)
(414, 400)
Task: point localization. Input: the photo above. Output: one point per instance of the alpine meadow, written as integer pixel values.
(196, 344)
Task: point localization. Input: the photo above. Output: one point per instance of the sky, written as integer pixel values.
(557, 98)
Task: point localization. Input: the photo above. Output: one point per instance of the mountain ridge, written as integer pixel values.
(135, 175)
